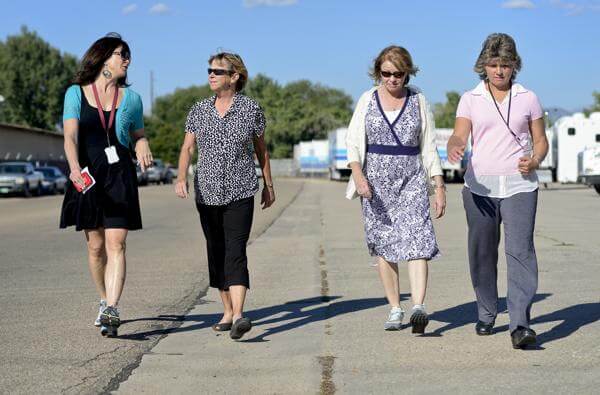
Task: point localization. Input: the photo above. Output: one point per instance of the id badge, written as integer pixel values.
(111, 154)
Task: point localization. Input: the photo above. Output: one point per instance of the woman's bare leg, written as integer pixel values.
(97, 258)
(388, 272)
(116, 264)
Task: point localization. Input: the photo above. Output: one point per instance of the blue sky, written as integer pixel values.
(331, 42)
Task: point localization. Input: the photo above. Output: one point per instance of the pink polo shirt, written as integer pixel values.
(495, 151)
(493, 167)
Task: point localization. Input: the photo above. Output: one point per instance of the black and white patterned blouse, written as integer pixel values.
(225, 169)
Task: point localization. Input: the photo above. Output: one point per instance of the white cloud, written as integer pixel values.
(520, 4)
(128, 9)
(574, 8)
(160, 9)
(268, 3)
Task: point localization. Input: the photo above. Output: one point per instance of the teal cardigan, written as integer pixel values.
(130, 114)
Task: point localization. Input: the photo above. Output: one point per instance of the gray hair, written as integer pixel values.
(498, 46)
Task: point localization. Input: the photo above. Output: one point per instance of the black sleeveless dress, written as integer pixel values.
(113, 202)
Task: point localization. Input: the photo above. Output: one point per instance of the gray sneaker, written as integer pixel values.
(394, 321)
(100, 310)
(419, 319)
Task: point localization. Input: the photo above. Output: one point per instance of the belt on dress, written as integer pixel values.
(393, 149)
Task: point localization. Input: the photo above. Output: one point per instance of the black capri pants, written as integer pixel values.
(227, 229)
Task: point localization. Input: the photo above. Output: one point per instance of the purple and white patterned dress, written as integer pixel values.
(398, 225)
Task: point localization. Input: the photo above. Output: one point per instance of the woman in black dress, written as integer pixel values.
(103, 118)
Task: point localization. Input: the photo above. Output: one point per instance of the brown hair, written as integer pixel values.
(498, 46)
(399, 57)
(93, 60)
(236, 65)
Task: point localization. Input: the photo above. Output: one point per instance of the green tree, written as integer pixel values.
(445, 113)
(165, 126)
(596, 106)
(297, 111)
(33, 79)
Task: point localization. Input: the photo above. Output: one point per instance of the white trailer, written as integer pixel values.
(574, 134)
(589, 167)
(338, 155)
(452, 171)
(547, 171)
(312, 157)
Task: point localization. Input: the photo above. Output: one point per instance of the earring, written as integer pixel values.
(106, 73)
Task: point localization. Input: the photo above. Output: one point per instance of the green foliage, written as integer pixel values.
(165, 127)
(295, 112)
(33, 79)
(596, 106)
(445, 113)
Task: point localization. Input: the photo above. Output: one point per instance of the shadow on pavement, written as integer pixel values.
(299, 312)
(466, 314)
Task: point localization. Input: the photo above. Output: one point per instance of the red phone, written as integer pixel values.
(88, 180)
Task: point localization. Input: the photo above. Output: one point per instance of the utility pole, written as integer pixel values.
(151, 91)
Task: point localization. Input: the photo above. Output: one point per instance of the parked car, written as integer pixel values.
(166, 177)
(142, 177)
(173, 171)
(21, 178)
(54, 180)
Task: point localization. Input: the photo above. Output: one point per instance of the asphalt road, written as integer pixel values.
(47, 341)
(316, 305)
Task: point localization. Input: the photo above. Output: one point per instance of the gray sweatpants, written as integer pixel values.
(484, 215)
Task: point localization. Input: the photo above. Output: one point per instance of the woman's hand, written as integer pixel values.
(76, 177)
(143, 154)
(528, 164)
(181, 188)
(362, 185)
(268, 197)
(456, 151)
(439, 202)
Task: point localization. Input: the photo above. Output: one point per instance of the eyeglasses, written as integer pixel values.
(123, 55)
(219, 72)
(397, 74)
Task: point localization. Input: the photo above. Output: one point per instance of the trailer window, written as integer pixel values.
(571, 131)
(598, 138)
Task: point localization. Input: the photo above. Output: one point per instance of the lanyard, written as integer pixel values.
(101, 109)
(507, 120)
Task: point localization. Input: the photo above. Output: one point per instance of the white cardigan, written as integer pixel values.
(356, 138)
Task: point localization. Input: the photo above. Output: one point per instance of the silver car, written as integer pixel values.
(54, 180)
(20, 178)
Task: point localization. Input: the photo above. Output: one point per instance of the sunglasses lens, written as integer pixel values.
(217, 71)
(397, 74)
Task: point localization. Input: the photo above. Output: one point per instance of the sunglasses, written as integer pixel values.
(219, 72)
(397, 74)
(124, 55)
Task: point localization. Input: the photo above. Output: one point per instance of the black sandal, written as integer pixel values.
(222, 327)
(239, 327)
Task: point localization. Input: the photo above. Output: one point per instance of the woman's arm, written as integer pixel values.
(268, 193)
(187, 151)
(457, 143)
(142, 149)
(71, 131)
(540, 147)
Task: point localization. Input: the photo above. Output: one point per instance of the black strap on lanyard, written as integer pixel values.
(507, 120)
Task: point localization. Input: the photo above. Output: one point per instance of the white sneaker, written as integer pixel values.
(394, 321)
(100, 309)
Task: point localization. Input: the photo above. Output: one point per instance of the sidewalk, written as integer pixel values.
(318, 315)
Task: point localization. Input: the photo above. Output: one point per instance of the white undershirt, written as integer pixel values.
(391, 115)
